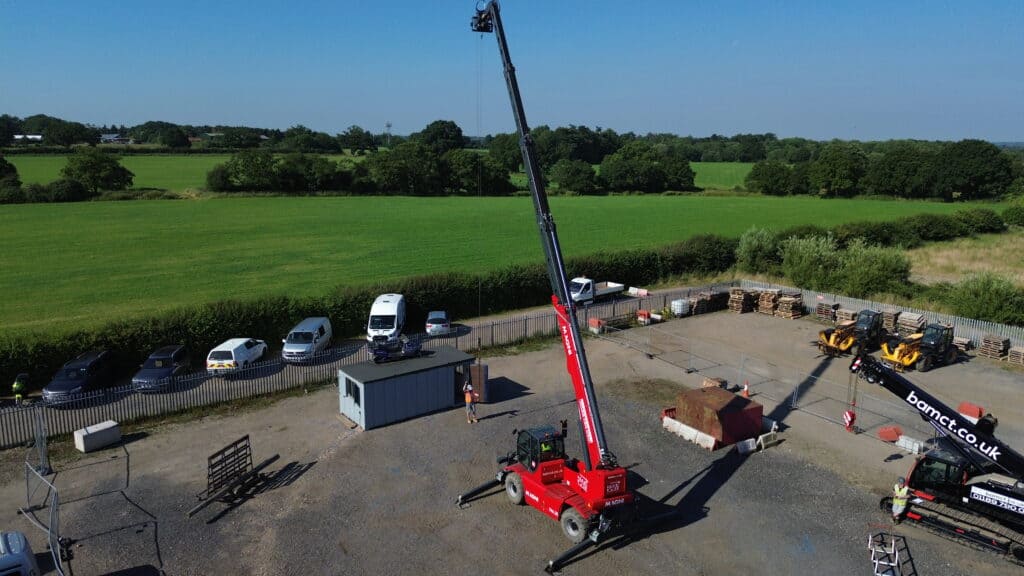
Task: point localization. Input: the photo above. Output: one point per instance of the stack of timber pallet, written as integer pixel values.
(823, 311)
(845, 315)
(963, 344)
(889, 320)
(768, 301)
(910, 323)
(710, 302)
(1017, 355)
(994, 346)
(740, 300)
(790, 306)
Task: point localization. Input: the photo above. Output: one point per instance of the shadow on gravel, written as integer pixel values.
(288, 474)
(703, 485)
(502, 389)
(123, 534)
(108, 467)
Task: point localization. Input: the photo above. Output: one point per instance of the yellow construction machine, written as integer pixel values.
(901, 353)
(837, 341)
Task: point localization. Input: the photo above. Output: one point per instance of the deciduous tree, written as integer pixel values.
(97, 170)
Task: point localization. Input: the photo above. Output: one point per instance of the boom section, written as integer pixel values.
(945, 419)
(489, 20)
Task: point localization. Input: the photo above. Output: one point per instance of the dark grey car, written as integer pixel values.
(161, 368)
(86, 373)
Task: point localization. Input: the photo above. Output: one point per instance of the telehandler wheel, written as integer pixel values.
(952, 355)
(924, 364)
(514, 488)
(574, 526)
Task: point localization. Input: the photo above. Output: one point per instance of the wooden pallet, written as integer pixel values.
(910, 323)
(994, 346)
(740, 300)
(1016, 355)
(768, 301)
(845, 315)
(963, 344)
(823, 311)
(790, 307)
(890, 320)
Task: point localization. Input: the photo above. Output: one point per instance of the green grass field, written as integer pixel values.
(720, 175)
(79, 265)
(182, 172)
(168, 172)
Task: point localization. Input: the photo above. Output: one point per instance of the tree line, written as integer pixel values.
(441, 160)
(948, 171)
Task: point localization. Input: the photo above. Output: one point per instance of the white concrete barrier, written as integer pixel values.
(97, 436)
(689, 433)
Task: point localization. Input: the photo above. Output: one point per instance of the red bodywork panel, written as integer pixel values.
(555, 485)
(572, 364)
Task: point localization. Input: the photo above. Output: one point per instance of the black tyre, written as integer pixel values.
(924, 364)
(952, 355)
(514, 488)
(574, 525)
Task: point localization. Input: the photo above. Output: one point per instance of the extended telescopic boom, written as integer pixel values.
(488, 19)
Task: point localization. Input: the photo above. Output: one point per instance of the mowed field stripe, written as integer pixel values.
(73, 265)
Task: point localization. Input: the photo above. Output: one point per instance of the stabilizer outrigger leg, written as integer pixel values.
(465, 497)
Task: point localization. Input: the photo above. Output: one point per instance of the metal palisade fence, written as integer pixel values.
(124, 404)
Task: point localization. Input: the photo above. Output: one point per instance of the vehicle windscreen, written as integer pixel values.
(437, 320)
(221, 355)
(576, 287)
(75, 374)
(382, 322)
(300, 338)
(931, 334)
(864, 321)
(153, 363)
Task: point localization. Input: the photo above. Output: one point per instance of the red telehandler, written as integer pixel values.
(589, 498)
(969, 486)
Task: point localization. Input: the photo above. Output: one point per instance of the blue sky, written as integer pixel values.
(854, 70)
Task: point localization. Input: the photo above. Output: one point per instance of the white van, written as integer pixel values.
(387, 319)
(309, 337)
(235, 354)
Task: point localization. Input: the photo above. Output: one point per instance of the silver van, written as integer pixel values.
(308, 338)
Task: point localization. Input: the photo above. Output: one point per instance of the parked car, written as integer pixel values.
(234, 354)
(159, 370)
(309, 337)
(438, 323)
(88, 372)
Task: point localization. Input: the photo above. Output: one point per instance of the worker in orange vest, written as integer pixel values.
(471, 398)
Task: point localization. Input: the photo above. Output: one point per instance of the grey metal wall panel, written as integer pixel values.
(398, 398)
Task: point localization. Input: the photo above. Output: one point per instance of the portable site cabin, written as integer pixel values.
(374, 395)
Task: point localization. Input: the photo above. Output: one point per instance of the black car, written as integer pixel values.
(88, 372)
(160, 368)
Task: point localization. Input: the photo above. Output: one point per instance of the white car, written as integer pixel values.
(234, 355)
(438, 323)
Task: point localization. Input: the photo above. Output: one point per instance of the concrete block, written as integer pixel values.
(689, 433)
(746, 446)
(97, 436)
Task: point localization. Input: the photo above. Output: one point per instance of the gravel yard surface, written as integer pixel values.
(344, 501)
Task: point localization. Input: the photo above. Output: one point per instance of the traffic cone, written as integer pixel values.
(746, 389)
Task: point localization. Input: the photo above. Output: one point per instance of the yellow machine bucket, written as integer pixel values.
(836, 341)
(902, 354)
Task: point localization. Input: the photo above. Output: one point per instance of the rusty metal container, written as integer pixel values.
(481, 384)
(727, 417)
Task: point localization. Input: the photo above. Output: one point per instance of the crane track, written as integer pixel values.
(945, 521)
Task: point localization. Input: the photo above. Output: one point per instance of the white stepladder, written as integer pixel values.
(885, 556)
